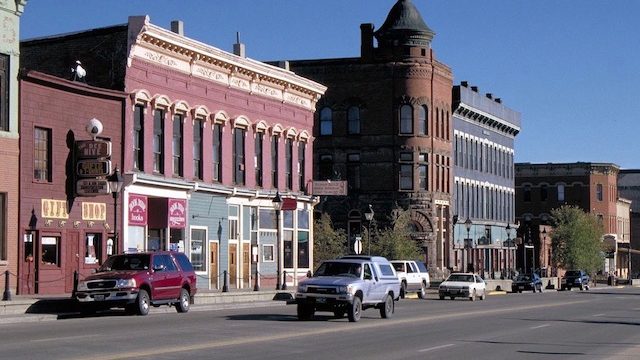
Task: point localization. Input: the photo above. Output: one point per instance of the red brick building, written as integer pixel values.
(60, 232)
(385, 127)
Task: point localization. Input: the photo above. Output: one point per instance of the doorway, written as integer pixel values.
(233, 265)
(214, 269)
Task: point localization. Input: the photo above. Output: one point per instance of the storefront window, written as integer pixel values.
(288, 248)
(303, 219)
(303, 249)
(176, 240)
(157, 241)
(135, 241)
(267, 219)
(267, 253)
(198, 237)
(93, 253)
(50, 250)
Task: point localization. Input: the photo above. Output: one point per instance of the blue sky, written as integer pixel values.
(570, 67)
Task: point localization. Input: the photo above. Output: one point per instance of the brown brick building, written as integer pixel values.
(384, 126)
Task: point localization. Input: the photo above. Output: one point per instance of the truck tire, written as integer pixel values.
(473, 295)
(387, 307)
(183, 302)
(355, 310)
(143, 302)
(305, 311)
(422, 294)
(403, 289)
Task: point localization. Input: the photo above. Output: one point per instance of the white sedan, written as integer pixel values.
(466, 285)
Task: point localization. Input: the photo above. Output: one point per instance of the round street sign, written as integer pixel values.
(357, 245)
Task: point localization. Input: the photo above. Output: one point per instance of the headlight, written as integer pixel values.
(82, 286)
(345, 289)
(128, 283)
(302, 288)
(577, 281)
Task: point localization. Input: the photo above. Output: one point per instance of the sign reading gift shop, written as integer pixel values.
(177, 213)
(137, 210)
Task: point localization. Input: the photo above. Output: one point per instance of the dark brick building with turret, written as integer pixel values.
(384, 126)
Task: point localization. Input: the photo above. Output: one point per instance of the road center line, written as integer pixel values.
(598, 315)
(436, 348)
(64, 338)
(539, 326)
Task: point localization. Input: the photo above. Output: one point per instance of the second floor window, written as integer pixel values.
(423, 127)
(353, 120)
(406, 119)
(197, 149)
(325, 170)
(406, 177)
(353, 171)
(326, 121)
(274, 161)
(599, 192)
(289, 163)
(560, 192)
(527, 193)
(217, 152)
(301, 165)
(158, 141)
(176, 144)
(258, 158)
(138, 138)
(423, 172)
(238, 156)
(42, 154)
(4, 92)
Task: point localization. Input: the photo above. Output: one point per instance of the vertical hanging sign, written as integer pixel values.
(137, 210)
(177, 213)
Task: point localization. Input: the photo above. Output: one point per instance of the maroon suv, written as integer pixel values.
(137, 281)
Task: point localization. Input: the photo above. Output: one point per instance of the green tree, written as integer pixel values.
(395, 242)
(576, 239)
(328, 243)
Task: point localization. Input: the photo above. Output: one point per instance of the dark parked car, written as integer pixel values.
(575, 278)
(139, 280)
(526, 282)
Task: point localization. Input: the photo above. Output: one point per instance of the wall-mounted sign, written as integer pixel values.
(93, 168)
(137, 210)
(177, 213)
(92, 149)
(94, 211)
(289, 204)
(329, 187)
(54, 209)
(92, 187)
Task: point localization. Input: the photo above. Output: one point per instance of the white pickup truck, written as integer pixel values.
(413, 277)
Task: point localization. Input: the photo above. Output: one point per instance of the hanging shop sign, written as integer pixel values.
(177, 213)
(137, 210)
(54, 209)
(92, 211)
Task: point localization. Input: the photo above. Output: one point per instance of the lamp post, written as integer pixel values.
(508, 230)
(277, 205)
(115, 184)
(467, 225)
(543, 252)
(369, 216)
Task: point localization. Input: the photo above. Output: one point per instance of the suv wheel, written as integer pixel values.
(387, 307)
(403, 289)
(355, 310)
(143, 302)
(473, 295)
(183, 301)
(305, 311)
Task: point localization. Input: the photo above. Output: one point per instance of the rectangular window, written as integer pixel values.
(42, 154)
(353, 171)
(424, 177)
(406, 177)
(198, 238)
(176, 144)
(238, 156)
(267, 253)
(158, 141)
(599, 193)
(560, 192)
(138, 138)
(93, 250)
(197, 149)
(258, 158)
(3, 225)
(288, 154)
(406, 119)
(288, 248)
(217, 152)
(303, 249)
(50, 250)
(274, 161)
(302, 147)
(326, 167)
(544, 193)
(4, 92)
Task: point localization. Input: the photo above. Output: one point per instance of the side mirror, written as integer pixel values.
(159, 267)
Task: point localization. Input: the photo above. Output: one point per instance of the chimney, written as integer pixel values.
(474, 88)
(498, 100)
(177, 27)
(464, 83)
(284, 64)
(366, 41)
(489, 95)
(238, 47)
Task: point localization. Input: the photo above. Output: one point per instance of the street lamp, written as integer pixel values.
(277, 205)
(115, 184)
(467, 225)
(543, 251)
(369, 216)
(508, 230)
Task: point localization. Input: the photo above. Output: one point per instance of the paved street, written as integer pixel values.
(599, 324)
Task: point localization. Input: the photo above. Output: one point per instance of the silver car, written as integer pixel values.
(465, 285)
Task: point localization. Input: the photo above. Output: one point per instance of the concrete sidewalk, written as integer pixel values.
(23, 308)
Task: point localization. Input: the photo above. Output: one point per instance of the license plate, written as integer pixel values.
(520, 287)
(453, 291)
(98, 297)
(321, 300)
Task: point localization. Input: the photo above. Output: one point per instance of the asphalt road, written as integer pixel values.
(596, 324)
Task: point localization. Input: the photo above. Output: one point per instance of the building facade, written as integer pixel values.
(629, 188)
(484, 131)
(10, 12)
(541, 188)
(211, 137)
(61, 232)
(384, 126)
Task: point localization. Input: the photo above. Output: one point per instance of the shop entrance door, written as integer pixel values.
(74, 254)
(214, 271)
(246, 248)
(233, 265)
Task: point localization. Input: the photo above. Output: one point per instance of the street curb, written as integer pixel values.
(497, 293)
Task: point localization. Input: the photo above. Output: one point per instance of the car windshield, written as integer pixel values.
(422, 267)
(131, 262)
(339, 269)
(523, 278)
(398, 266)
(461, 277)
(572, 273)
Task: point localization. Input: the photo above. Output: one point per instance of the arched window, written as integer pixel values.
(326, 121)
(353, 120)
(406, 119)
(423, 126)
